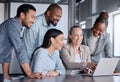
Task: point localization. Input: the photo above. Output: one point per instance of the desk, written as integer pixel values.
(72, 78)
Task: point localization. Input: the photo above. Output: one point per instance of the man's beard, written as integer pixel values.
(53, 23)
(27, 27)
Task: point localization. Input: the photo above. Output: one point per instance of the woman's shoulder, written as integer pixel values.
(41, 51)
(66, 46)
(106, 34)
(84, 47)
(85, 50)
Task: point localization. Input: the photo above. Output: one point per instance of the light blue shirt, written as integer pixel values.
(10, 38)
(42, 62)
(33, 37)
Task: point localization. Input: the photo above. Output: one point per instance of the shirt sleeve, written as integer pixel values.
(16, 41)
(38, 62)
(59, 65)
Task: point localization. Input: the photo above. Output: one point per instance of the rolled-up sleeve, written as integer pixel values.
(16, 41)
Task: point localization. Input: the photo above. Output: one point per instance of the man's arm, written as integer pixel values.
(21, 54)
(26, 68)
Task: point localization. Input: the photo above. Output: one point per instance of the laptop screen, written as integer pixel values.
(106, 66)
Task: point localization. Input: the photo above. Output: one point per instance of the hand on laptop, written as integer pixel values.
(88, 71)
(91, 65)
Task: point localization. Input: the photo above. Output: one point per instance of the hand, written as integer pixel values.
(26, 68)
(7, 77)
(88, 71)
(39, 76)
(31, 76)
(91, 65)
(52, 74)
(36, 75)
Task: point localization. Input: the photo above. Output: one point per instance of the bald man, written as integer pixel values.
(33, 37)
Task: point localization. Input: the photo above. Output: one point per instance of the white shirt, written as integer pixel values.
(77, 59)
(93, 43)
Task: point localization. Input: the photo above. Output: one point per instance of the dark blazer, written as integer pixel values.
(103, 47)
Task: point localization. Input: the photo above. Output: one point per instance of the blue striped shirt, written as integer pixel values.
(10, 38)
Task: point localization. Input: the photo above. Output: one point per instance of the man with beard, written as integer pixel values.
(10, 31)
(33, 37)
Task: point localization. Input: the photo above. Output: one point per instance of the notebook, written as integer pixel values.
(106, 66)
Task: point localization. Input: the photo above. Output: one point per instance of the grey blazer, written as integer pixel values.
(68, 57)
(103, 47)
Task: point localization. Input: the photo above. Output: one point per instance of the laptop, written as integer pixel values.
(106, 66)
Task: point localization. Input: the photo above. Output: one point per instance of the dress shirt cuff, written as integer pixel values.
(61, 72)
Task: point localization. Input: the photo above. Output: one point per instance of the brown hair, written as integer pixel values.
(70, 32)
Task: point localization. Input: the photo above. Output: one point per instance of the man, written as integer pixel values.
(33, 37)
(10, 38)
(98, 40)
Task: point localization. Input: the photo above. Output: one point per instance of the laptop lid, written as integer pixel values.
(106, 66)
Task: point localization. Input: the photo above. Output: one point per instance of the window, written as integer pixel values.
(114, 30)
(116, 22)
(83, 24)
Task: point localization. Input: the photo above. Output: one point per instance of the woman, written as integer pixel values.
(75, 56)
(46, 59)
(98, 40)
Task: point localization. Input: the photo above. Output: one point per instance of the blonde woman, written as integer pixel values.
(75, 56)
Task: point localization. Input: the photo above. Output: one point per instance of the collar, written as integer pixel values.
(44, 22)
(20, 25)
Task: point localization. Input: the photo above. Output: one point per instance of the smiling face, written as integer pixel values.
(58, 42)
(76, 36)
(54, 16)
(99, 29)
(28, 18)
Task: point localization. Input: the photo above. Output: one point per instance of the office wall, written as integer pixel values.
(2, 7)
(86, 8)
(62, 25)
